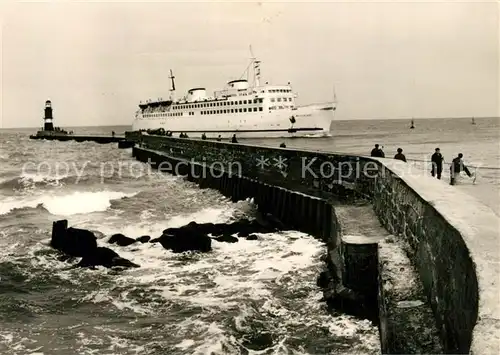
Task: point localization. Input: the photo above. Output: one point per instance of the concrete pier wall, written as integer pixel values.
(322, 175)
(310, 215)
(453, 241)
(440, 255)
(445, 261)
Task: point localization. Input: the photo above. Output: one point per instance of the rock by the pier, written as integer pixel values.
(72, 241)
(185, 239)
(143, 239)
(252, 237)
(105, 257)
(194, 236)
(242, 234)
(226, 239)
(75, 242)
(242, 228)
(121, 240)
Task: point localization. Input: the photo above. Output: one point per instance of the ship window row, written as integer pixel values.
(279, 107)
(279, 90)
(233, 110)
(285, 99)
(223, 103)
(154, 110)
(167, 114)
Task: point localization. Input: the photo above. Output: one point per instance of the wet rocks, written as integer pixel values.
(195, 236)
(242, 228)
(72, 241)
(227, 239)
(121, 240)
(75, 242)
(143, 239)
(183, 239)
(105, 257)
(252, 237)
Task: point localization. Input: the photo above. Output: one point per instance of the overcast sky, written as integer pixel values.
(96, 61)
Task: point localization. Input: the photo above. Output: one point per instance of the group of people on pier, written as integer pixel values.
(457, 166)
(219, 138)
(437, 160)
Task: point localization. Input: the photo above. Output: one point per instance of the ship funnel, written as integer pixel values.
(196, 94)
(240, 84)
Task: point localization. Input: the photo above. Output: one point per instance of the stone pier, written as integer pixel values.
(435, 275)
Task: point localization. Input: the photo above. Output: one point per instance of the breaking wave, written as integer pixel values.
(27, 181)
(65, 205)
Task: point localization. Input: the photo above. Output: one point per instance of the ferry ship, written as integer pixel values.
(243, 107)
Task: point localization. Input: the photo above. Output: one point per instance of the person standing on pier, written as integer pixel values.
(400, 155)
(456, 167)
(437, 164)
(377, 152)
(233, 140)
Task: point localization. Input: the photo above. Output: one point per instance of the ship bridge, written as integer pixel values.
(274, 89)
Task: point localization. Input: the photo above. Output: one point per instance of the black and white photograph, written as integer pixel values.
(249, 177)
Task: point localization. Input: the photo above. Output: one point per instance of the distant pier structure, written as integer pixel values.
(50, 132)
(48, 125)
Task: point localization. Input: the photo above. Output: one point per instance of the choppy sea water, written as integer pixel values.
(250, 297)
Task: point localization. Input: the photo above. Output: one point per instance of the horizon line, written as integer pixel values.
(340, 119)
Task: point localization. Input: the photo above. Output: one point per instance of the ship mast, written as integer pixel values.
(256, 68)
(172, 90)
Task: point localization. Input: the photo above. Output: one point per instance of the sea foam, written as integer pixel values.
(65, 205)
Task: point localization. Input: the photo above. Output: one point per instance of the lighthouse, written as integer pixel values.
(48, 126)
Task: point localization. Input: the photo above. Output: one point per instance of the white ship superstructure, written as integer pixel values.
(249, 111)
